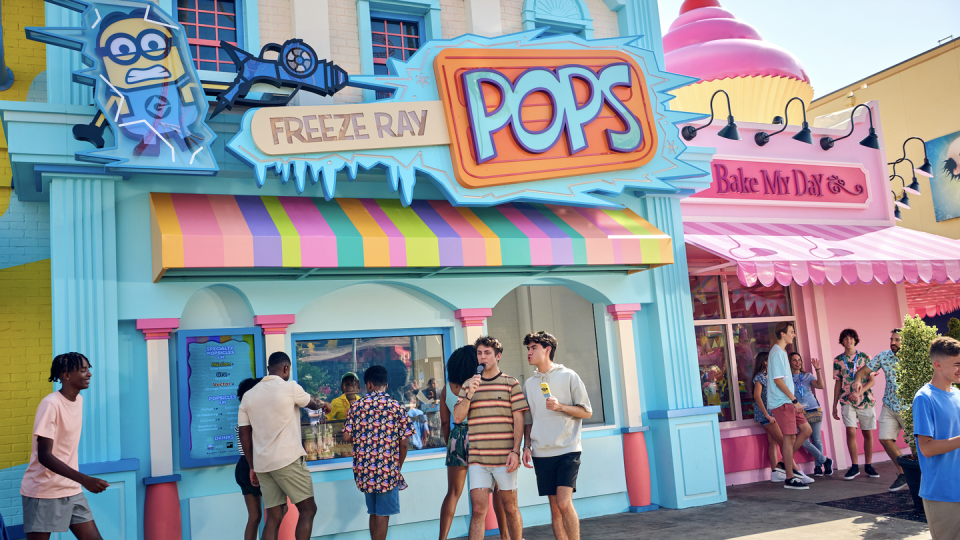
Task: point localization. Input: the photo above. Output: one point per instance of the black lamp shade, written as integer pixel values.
(914, 187)
(804, 135)
(925, 169)
(905, 201)
(896, 214)
(871, 140)
(730, 131)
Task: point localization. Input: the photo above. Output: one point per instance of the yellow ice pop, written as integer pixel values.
(545, 388)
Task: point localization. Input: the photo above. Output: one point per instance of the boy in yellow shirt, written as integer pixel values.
(350, 387)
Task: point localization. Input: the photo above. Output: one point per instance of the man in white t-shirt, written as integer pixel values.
(269, 421)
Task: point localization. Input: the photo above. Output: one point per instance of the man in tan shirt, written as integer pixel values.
(269, 421)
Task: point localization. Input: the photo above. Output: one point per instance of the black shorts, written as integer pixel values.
(242, 475)
(556, 471)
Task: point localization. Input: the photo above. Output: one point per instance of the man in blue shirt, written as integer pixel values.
(890, 421)
(936, 425)
(786, 408)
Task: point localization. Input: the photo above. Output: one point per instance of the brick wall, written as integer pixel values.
(345, 45)
(10, 504)
(510, 16)
(276, 25)
(453, 15)
(604, 20)
(24, 57)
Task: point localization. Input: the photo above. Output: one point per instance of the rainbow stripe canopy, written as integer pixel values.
(222, 236)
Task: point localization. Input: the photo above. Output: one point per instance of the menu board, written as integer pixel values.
(211, 369)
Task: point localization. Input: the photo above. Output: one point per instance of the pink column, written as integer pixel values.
(274, 329)
(635, 460)
(161, 509)
(472, 320)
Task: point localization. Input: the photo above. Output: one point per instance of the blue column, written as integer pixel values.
(684, 434)
(83, 252)
(639, 18)
(61, 63)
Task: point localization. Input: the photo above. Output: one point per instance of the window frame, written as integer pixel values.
(413, 455)
(198, 42)
(534, 16)
(248, 34)
(428, 11)
(727, 322)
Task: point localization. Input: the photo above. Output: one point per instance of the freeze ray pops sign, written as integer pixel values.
(490, 120)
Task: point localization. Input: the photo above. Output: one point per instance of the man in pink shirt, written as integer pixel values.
(52, 498)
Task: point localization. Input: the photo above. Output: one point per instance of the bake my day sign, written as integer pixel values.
(489, 120)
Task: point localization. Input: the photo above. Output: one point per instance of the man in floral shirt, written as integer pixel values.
(378, 426)
(890, 421)
(857, 404)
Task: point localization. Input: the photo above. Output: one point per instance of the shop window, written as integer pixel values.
(207, 23)
(393, 38)
(727, 345)
(561, 312)
(416, 373)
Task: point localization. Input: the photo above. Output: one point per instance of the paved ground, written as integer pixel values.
(761, 511)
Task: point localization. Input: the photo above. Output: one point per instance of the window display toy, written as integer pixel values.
(297, 66)
(146, 88)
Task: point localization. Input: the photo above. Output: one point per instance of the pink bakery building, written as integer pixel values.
(788, 231)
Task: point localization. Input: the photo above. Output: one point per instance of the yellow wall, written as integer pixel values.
(917, 98)
(25, 58)
(25, 341)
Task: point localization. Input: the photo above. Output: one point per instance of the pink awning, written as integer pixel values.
(932, 299)
(828, 253)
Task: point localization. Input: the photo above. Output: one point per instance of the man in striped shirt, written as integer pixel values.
(494, 404)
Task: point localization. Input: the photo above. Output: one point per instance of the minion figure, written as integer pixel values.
(146, 88)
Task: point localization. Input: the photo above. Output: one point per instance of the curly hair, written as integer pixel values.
(65, 363)
(489, 341)
(246, 385)
(462, 365)
(544, 340)
(850, 332)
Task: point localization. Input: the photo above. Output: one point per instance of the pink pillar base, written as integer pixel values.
(161, 512)
(637, 466)
(288, 527)
(490, 523)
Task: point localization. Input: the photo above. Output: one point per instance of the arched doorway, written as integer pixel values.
(572, 319)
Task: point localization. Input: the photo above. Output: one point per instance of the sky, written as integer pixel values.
(842, 41)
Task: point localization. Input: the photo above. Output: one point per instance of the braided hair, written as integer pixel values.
(65, 363)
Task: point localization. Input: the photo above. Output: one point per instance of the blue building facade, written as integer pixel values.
(654, 445)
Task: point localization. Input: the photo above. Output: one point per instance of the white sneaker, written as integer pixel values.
(777, 476)
(803, 476)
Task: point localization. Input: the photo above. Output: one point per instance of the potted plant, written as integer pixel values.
(913, 371)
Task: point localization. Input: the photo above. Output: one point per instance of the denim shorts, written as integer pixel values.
(383, 504)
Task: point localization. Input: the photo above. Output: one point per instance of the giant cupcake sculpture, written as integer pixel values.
(710, 43)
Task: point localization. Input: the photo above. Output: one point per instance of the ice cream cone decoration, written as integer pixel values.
(710, 43)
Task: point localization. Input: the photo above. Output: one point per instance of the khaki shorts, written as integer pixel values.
(943, 519)
(292, 481)
(867, 417)
(890, 424)
(54, 515)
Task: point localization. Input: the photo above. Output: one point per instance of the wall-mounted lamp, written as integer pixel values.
(804, 135)
(924, 170)
(896, 214)
(904, 200)
(870, 141)
(729, 131)
(914, 186)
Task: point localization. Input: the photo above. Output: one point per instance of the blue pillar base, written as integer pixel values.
(689, 458)
(642, 509)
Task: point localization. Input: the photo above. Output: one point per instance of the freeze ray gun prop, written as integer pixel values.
(297, 66)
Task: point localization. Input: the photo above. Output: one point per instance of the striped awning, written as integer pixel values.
(195, 234)
(771, 253)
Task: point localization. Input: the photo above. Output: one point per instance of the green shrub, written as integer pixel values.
(914, 369)
(953, 328)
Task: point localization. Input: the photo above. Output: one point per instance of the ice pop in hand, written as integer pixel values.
(545, 388)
